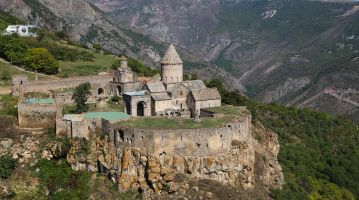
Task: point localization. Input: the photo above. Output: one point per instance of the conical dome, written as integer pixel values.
(171, 57)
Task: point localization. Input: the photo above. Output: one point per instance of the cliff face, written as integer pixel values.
(134, 169)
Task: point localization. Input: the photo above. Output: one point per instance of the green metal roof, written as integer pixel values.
(44, 101)
(110, 116)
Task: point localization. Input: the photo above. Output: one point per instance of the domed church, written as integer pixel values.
(171, 96)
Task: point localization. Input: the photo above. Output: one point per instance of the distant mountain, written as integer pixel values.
(85, 23)
(284, 51)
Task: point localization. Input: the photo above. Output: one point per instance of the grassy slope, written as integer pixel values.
(7, 67)
(165, 124)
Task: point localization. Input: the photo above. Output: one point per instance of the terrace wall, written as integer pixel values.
(185, 142)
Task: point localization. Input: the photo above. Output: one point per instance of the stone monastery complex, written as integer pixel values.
(145, 158)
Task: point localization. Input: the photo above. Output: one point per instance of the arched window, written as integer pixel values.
(171, 79)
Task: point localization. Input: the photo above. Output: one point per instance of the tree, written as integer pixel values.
(40, 59)
(7, 165)
(13, 47)
(40, 36)
(186, 77)
(193, 76)
(62, 34)
(97, 47)
(80, 96)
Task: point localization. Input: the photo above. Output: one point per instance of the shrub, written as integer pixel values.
(7, 165)
(97, 47)
(186, 77)
(116, 99)
(259, 138)
(40, 59)
(62, 34)
(6, 75)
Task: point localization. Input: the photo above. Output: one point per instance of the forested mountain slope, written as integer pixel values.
(280, 50)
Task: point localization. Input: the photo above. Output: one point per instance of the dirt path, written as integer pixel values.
(18, 68)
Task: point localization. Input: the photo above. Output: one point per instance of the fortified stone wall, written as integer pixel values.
(66, 97)
(148, 159)
(97, 81)
(37, 115)
(186, 142)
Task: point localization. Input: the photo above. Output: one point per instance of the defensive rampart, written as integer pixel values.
(97, 82)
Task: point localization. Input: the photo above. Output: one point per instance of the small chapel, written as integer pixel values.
(170, 96)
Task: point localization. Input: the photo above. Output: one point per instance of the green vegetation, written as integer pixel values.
(294, 21)
(9, 105)
(319, 153)
(7, 69)
(137, 67)
(13, 47)
(62, 34)
(7, 165)
(193, 76)
(186, 77)
(80, 96)
(7, 19)
(164, 124)
(41, 60)
(97, 47)
(227, 110)
(55, 175)
(116, 99)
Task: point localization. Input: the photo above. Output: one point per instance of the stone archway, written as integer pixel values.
(119, 90)
(100, 91)
(140, 109)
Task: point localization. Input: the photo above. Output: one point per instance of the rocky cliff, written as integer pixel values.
(157, 175)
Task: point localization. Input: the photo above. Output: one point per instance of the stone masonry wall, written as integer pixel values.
(96, 81)
(147, 160)
(37, 115)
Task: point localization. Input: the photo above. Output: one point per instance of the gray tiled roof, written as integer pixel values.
(171, 57)
(206, 94)
(156, 87)
(161, 97)
(194, 85)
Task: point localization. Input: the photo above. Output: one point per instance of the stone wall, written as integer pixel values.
(88, 128)
(37, 115)
(66, 97)
(148, 159)
(115, 87)
(186, 142)
(97, 81)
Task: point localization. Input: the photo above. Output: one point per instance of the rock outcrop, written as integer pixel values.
(133, 169)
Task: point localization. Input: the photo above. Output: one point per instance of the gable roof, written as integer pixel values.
(155, 87)
(161, 97)
(206, 94)
(171, 57)
(195, 85)
(174, 88)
